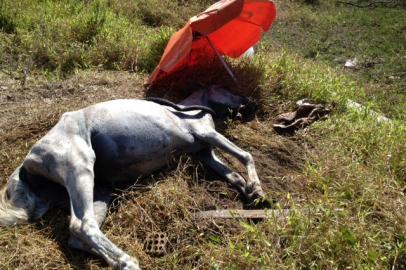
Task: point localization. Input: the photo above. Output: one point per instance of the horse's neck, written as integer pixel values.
(197, 98)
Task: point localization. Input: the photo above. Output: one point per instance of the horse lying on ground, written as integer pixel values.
(117, 141)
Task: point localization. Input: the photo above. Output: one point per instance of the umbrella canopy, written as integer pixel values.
(229, 27)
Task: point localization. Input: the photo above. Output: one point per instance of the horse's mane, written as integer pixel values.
(182, 108)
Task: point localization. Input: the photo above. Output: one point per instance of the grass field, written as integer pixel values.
(350, 170)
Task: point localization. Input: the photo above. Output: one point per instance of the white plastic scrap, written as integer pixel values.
(351, 63)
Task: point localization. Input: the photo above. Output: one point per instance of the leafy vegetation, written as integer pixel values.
(344, 179)
(66, 35)
(333, 33)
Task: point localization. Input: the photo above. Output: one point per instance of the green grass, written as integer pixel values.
(352, 170)
(66, 35)
(331, 34)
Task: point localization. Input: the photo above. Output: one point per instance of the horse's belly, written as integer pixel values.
(130, 159)
(149, 166)
(131, 171)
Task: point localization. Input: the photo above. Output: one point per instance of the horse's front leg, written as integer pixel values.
(253, 189)
(209, 158)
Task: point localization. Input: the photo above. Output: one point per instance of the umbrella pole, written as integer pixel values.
(222, 60)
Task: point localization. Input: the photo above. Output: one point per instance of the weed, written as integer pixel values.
(6, 22)
(63, 36)
(151, 52)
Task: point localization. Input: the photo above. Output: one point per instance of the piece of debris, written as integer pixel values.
(361, 108)
(249, 53)
(305, 114)
(351, 63)
(280, 214)
(155, 244)
(394, 77)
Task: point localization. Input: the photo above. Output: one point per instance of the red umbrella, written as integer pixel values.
(229, 27)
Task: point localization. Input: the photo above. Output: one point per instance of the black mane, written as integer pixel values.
(166, 102)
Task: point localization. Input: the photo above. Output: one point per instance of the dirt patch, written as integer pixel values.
(279, 160)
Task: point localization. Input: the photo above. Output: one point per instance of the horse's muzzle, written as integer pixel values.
(248, 109)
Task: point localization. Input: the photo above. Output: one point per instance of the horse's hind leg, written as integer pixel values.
(76, 172)
(102, 200)
(84, 225)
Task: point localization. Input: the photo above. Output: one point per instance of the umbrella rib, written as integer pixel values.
(247, 21)
(222, 60)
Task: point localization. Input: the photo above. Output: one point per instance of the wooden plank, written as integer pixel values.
(249, 214)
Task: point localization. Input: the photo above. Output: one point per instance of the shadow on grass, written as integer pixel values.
(182, 83)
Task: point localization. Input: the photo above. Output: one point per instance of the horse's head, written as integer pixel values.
(224, 103)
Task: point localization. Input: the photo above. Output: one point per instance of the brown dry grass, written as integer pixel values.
(166, 203)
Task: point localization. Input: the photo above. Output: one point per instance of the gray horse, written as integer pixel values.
(118, 141)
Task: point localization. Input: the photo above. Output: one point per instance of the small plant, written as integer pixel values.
(152, 49)
(7, 25)
(89, 23)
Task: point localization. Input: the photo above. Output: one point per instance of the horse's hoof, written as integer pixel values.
(260, 202)
(128, 263)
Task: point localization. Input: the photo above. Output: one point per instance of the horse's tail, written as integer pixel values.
(18, 204)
